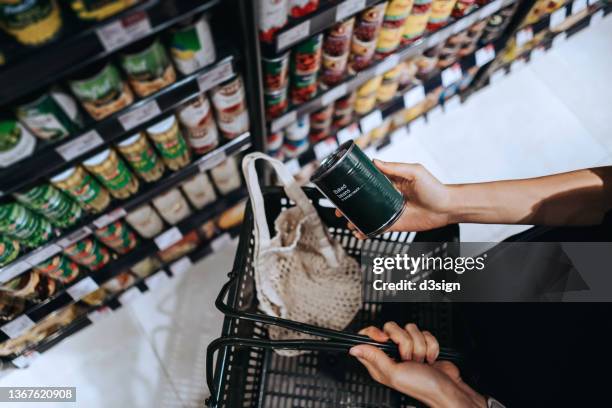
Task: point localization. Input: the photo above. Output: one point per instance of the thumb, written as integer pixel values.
(403, 170)
(373, 357)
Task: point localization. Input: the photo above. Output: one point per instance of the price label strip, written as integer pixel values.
(157, 280)
(10, 271)
(348, 8)
(26, 359)
(181, 266)
(283, 121)
(168, 238)
(485, 55)
(388, 63)
(74, 237)
(490, 9)
(351, 132)
(82, 288)
(111, 217)
(124, 31)
(212, 160)
(578, 6)
(414, 96)
(524, 36)
(81, 145)
(333, 94)
(17, 326)
(139, 115)
(43, 254)
(215, 76)
(325, 148)
(451, 75)
(293, 35)
(371, 121)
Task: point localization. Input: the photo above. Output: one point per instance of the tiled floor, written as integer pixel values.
(551, 116)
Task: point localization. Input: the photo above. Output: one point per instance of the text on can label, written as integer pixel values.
(82, 144)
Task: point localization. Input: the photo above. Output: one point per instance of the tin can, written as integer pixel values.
(226, 176)
(362, 54)
(416, 23)
(29, 228)
(147, 66)
(199, 124)
(88, 253)
(293, 148)
(199, 190)
(102, 91)
(51, 203)
(274, 145)
(320, 123)
(51, 116)
(276, 102)
(387, 89)
(272, 16)
(333, 69)
(113, 173)
(396, 12)
(138, 152)
(351, 181)
(31, 286)
(31, 22)
(303, 88)
(306, 56)
(172, 206)
(275, 72)
(59, 268)
(389, 39)
(368, 23)
(16, 142)
(99, 10)
(191, 45)
(145, 221)
(298, 130)
(301, 8)
(83, 187)
(337, 40)
(117, 236)
(230, 107)
(440, 12)
(170, 143)
(343, 110)
(463, 7)
(9, 250)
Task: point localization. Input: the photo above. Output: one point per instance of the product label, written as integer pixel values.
(80, 145)
(106, 219)
(102, 88)
(293, 35)
(451, 75)
(168, 238)
(414, 96)
(17, 326)
(557, 17)
(215, 76)
(129, 29)
(82, 288)
(272, 14)
(147, 65)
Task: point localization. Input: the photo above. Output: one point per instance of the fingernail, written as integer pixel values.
(356, 352)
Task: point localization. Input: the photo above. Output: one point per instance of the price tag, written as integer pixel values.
(17, 326)
(452, 103)
(10, 271)
(168, 238)
(43, 254)
(451, 75)
(557, 17)
(485, 55)
(388, 63)
(157, 279)
(559, 39)
(371, 121)
(293, 166)
(417, 125)
(524, 36)
(414, 96)
(82, 144)
(124, 31)
(112, 216)
(74, 237)
(497, 76)
(180, 266)
(211, 160)
(24, 360)
(399, 134)
(293, 35)
(348, 8)
(283, 121)
(333, 94)
(434, 114)
(578, 6)
(139, 115)
(130, 295)
(215, 76)
(325, 148)
(100, 314)
(351, 132)
(82, 288)
(596, 17)
(489, 9)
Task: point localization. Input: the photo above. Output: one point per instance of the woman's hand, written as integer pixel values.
(418, 374)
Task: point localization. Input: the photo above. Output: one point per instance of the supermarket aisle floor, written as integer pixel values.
(551, 116)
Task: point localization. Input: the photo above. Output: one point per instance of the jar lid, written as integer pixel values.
(130, 140)
(63, 175)
(98, 158)
(163, 126)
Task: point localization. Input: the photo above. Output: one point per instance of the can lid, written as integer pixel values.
(63, 175)
(331, 161)
(163, 126)
(98, 158)
(130, 140)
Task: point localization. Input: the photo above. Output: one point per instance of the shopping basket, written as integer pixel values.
(248, 373)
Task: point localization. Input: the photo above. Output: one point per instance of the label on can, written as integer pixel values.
(148, 64)
(100, 88)
(272, 14)
(192, 47)
(51, 116)
(307, 56)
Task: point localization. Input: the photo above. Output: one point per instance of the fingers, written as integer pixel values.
(375, 334)
(338, 213)
(401, 338)
(433, 347)
(413, 344)
(419, 347)
(403, 170)
(380, 366)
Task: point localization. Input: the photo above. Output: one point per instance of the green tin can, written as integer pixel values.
(27, 227)
(141, 156)
(147, 66)
(83, 187)
(113, 173)
(275, 71)
(306, 56)
(191, 45)
(9, 250)
(351, 181)
(16, 142)
(118, 236)
(88, 253)
(48, 201)
(59, 268)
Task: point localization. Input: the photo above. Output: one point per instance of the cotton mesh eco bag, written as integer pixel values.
(301, 273)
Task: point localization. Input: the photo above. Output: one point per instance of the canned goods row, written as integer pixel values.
(272, 15)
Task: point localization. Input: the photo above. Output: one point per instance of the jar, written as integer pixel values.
(82, 187)
(31, 22)
(147, 66)
(170, 143)
(59, 268)
(440, 12)
(19, 223)
(16, 142)
(145, 221)
(172, 206)
(9, 250)
(51, 203)
(199, 190)
(138, 152)
(117, 236)
(88, 253)
(113, 173)
(226, 176)
(416, 23)
(31, 286)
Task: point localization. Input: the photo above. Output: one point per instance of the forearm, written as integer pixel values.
(576, 198)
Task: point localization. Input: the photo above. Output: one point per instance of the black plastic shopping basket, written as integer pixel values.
(248, 373)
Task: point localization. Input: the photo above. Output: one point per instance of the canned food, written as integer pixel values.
(199, 124)
(427, 63)
(52, 204)
(172, 206)
(298, 130)
(88, 253)
(351, 181)
(396, 12)
(99, 10)
(95, 298)
(303, 88)
(170, 143)
(10, 307)
(16, 142)
(362, 54)
(320, 123)
(102, 91)
(301, 8)
(51, 116)
(145, 267)
(275, 72)
(333, 69)
(138, 152)
(463, 7)
(31, 22)
(370, 86)
(9, 250)
(59, 268)
(387, 89)
(440, 12)
(293, 149)
(226, 176)
(192, 46)
(272, 17)
(230, 107)
(389, 39)
(147, 66)
(416, 23)
(145, 221)
(199, 190)
(29, 228)
(113, 173)
(276, 102)
(31, 286)
(364, 104)
(368, 23)
(274, 145)
(83, 187)
(338, 39)
(117, 236)
(306, 57)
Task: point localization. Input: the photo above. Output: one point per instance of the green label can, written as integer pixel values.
(148, 67)
(52, 204)
(141, 156)
(113, 173)
(9, 249)
(192, 46)
(27, 227)
(351, 181)
(16, 142)
(88, 253)
(170, 143)
(117, 236)
(276, 71)
(60, 268)
(83, 187)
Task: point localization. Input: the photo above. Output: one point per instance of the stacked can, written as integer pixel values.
(343, 110)
(16, 142)
(59, 268)
(147, 66)
(496, 24)
(392, 29)
(365, 34)
(448, 52)
(272, 16)
(113, 173)
(275, 145)
(416, 23)
(463, 7)
(471, 38)
(305, 65)
(191, 45)
(389, 85)
(296, 137)
(88, 253)
(276, 82)
(366, 95)
(170, 143)
(138, 152)
(9, 250)
(97, 11)
(230, 107)
(320, 123)
(45, 199)
(27, 227)
(199, 124)
(31, 286)
(301, 8)
(336, 48)
(83, 187)
(440, 12)
(199, 190)
(427, 63)
(117, 236)
(407, 77)
(33, 22)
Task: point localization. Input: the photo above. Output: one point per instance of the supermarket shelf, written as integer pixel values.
(82, 45)
(118, 208)
(565, 12)
(51, 159)
(383, 65)
(167, 238)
